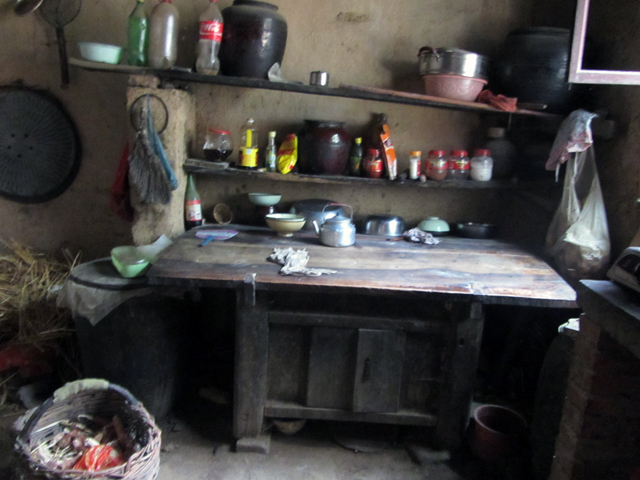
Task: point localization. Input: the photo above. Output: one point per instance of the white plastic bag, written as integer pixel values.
(578, 238)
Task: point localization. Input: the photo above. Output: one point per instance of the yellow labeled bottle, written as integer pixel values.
(248, 154)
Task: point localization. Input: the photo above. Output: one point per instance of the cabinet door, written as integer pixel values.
(378, 373)
(331, 364)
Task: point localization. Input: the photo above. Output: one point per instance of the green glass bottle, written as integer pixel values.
(192, 205)
(138, 38)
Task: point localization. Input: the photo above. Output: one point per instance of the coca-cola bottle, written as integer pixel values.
(211, 25)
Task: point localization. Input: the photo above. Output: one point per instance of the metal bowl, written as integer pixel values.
(387, 225)
(452, 61)
(476, 230)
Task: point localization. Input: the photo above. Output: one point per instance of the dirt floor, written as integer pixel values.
(197, 444)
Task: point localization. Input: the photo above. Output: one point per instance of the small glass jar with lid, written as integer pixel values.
(458, 165)
(481, 165)
(372, 164)
(436, 165)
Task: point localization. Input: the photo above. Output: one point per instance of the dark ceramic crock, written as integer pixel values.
(253, 39)
(323, 148)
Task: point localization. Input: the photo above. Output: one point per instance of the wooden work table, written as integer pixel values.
(392, 337)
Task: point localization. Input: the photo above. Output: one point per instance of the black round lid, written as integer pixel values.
(102, 274)
(39, 146)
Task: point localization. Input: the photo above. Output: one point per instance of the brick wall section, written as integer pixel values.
(599, 435)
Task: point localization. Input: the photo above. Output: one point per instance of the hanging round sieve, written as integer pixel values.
(40, 148)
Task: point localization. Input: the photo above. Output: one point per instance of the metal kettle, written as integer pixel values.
(338, 231)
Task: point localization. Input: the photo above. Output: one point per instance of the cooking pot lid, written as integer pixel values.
(338, 220)
(39, 146)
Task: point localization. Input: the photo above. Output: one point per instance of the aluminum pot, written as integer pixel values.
(316, 209)
(452, 61)
(388, 225)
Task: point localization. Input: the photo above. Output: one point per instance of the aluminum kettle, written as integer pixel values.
(338, 231)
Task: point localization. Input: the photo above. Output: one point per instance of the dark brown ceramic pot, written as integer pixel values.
(253, 39)
(323, 148)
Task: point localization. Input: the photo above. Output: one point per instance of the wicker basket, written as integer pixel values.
(90, 397)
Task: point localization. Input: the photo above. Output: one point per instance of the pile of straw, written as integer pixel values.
(29, 283)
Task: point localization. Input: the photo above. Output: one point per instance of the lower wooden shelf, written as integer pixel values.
(278, 409)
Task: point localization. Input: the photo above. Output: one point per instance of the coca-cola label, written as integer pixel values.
(211, 31)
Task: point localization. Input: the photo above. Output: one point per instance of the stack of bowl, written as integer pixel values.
(453, 73)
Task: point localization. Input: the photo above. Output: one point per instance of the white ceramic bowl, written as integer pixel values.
(100, 52)
(264, 199)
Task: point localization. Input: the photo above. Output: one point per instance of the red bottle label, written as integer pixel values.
(211, 31)
(193, 210)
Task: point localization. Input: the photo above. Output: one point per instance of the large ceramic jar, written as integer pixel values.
(532, 66)
(254, 38)
(323, 148)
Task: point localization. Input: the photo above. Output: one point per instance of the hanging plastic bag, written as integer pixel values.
(578, 238)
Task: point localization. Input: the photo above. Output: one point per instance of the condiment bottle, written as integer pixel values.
(481, 165)
(137, 36)
(271, 155)
(503, 152)
(436, 165)
(414, 164)
(355, 158)
(248, 153)
(211, 26)
(372, 164)
(163, 35)
(192, 205)
(458, 168)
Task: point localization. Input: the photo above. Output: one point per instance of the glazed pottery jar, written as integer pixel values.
(323, 148)
(254, 38)
(532, 66)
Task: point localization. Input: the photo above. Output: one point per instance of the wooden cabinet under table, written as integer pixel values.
(392, 337)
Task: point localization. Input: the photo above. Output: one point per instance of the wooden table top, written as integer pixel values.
(491, 271)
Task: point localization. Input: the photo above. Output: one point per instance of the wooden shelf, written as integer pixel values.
(345, 91)
(206, 168)
(274, 408)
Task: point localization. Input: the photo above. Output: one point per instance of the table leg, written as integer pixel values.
(250, 383)
(455, 400)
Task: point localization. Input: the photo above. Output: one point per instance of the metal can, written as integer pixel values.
(414, 164)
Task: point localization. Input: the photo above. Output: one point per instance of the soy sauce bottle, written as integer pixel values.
(192, 206)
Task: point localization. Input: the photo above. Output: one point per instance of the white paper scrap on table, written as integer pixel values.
(294, 262)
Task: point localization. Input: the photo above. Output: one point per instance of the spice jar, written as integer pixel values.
(218, 145)
(436, 165)
(458, 165)
(372, 164)
(481, 165)
(414, 164)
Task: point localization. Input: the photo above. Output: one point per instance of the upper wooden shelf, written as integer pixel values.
(347, 91)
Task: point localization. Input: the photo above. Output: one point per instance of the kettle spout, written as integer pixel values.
(316, 227)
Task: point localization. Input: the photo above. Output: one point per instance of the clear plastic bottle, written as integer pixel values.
(211, 26)
(481, 165)
(458, 165)
(137, 36)
(271, 155)
(163, 35)
(248, 152)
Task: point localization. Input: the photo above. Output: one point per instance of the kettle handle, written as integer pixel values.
(430, 51)
(340, 205)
